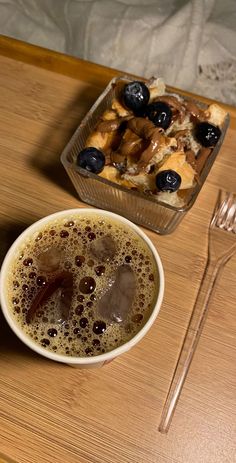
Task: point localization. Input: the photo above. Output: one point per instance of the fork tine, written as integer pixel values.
(231, 217)
(232, 225)
(225, 211)
(220, 208)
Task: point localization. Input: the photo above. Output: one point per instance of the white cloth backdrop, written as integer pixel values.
(190, 43)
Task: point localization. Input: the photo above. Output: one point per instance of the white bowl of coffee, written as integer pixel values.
(81, 286)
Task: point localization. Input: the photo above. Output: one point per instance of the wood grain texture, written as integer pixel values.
(52, 412)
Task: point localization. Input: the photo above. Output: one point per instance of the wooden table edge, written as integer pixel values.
(74, 67)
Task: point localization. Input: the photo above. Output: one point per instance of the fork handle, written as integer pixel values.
(195, 326)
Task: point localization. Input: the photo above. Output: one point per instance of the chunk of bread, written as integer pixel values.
(99, 140)
(112, 174)
(216, 114)
(142, 181)
(170, 198)
(156, 88)
(120, 110)
(109, 115)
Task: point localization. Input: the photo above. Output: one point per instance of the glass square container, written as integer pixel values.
(141, 208)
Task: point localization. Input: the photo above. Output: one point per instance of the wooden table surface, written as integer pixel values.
(50, 412)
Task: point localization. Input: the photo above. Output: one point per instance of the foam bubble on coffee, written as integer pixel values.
(98, 254)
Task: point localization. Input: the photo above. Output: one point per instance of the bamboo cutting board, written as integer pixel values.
(51, 412)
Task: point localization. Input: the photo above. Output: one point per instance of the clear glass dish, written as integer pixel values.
(136, 206)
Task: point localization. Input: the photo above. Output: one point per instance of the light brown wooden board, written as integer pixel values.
(52, 412)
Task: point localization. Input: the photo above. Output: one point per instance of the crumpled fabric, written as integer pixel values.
(191, 44)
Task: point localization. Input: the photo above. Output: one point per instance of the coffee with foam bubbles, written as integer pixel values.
(83, 285)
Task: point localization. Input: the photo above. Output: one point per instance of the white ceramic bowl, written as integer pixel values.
(83, 362)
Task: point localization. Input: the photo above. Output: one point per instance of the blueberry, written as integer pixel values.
(91, 159)
(168, 180)
(207, 134)
(136, 95)
(160, 114)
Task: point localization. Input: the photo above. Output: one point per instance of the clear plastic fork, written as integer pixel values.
(221, 247)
